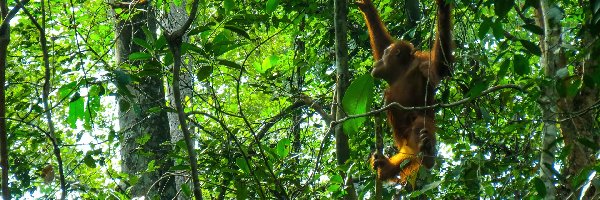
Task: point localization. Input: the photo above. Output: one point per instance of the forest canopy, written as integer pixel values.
(274, 99)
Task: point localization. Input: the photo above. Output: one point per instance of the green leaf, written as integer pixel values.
(271, 6)
(204, 72)
(497, 30)
(283, 147)
(149, 35)
(501, 7)
(143, 139)
(484, 28)
(151, 166)
(337, 179)
(539, 186)
(503, 69)
(521, 65)
(142, 43)
(201, 29)
(228, 5)
(186, 189)
(231, 64)
(531, 47)
(241, 163)
(66, 90)
(430, 186)
(535, 29)
(478, 87)
(89, 161)
(267, 64)
(139, 56)
(237, 30)
(76, 111)
(357, 100)
(161, 42)
(241, 190)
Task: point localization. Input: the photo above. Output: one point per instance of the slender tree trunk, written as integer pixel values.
(548, 18)
(174, 40)
(4, 41)
(297, 82)
(343, 79)
(135, 120)
(175, 19)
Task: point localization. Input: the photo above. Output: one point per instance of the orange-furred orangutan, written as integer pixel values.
(412, 76)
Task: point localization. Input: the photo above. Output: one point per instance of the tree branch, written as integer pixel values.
(438, 105)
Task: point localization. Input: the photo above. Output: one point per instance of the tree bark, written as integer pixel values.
(173, 20)
(548, 17)
(581, 123)
(4, 41)
(174, 40)
(136, 121)
(343, 78)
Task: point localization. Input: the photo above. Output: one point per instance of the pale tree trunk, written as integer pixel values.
(173, 20)
(135, 120)
(549, 17)
(580, 120)
(342, 147)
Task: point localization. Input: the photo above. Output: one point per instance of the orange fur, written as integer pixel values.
(412, 76)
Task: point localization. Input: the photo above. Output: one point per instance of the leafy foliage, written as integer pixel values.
(251, 62)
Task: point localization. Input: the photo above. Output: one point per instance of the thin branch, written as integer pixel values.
(317, 107)
(437, 105)
(46, 93)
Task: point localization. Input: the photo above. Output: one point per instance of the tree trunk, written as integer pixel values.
(343, 78)
(173, 20)
(136, 122)
(581, 123)
(4, 41)
(548, 17)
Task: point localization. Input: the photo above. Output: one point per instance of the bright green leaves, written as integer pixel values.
(266, 64)
(357, 100)
(76, 110)
(80, 107)
(283, 147)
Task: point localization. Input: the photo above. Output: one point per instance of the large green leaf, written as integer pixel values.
(501, 7)
(484, 28)
(76, 111)
(357, 100)
(139, 56)
(521, 65)
(271, 6)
